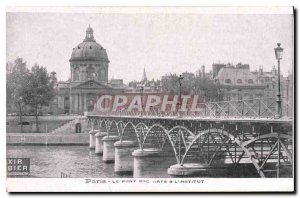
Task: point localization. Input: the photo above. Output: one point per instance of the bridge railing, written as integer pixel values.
(255, 108)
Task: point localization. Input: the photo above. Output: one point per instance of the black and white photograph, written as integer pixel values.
(149, 99)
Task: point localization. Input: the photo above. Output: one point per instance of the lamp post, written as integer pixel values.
(278, 54)
(180, 78)
(142, 90)
(287, 95)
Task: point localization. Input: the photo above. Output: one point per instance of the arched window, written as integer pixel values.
(76, 74)
(103, 74)
(91, 73)
(250, 81)
(227, 81)
(239, 81)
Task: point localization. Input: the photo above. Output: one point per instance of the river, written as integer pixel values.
(80, 162)
(51, 161)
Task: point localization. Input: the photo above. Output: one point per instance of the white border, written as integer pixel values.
(273, 184)
(116, 185)
(157, 10)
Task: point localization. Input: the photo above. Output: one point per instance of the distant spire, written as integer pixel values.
(144, 78)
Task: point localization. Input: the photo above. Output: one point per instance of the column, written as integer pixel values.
(193, 170)
(92, 139)
(99, 142)
(75, 103)
(71, 103)
(85, 105)
(123, 156)
(82, 102)
(146, 163)
(79, 103)
(109, 148)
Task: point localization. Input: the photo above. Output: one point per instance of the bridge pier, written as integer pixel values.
(151, 163)
(192, 170)
(123, 156)
(92, 139)
(109, 149)
(99, 142)
(201, 142)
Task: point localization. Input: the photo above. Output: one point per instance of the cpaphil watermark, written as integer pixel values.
(146, 103)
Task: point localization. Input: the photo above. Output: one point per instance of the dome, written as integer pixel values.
(89, 49)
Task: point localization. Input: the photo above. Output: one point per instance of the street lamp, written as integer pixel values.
(180, 78)
(278, 54)
(287, 95)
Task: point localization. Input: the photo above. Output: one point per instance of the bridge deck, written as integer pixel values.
(221, 119)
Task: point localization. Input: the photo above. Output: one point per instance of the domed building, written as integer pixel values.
(89, 60)
(89, 78)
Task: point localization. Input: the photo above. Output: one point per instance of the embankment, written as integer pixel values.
(46, 139)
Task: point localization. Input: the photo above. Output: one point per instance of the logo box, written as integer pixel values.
(18, 166)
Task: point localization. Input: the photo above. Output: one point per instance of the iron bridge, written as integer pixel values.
(233, 132)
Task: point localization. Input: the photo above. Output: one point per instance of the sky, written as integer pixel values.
(162, 43)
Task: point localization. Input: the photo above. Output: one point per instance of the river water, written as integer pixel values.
(51, 161)
(78, 162)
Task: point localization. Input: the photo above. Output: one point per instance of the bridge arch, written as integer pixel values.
(241, 145)
(126, 133)
(113, 128)
(89, 123)
(164, 136)
(232, 138)
(102, 124)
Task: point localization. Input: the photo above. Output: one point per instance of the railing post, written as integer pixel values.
(287, 106)
(243, 106)
(179, 147)
(216, 109)
(228, 109)
(278, 158)
(259, 108)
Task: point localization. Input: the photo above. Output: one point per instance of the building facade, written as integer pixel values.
(238, 83)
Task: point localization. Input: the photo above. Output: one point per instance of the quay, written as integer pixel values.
(46, 139)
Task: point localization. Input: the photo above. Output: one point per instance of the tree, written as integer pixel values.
(16, 75)
(170, 83)
(206, 88)
(39, 90)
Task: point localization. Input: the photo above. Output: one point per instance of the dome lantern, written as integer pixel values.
(89, 34)
(89, 49)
